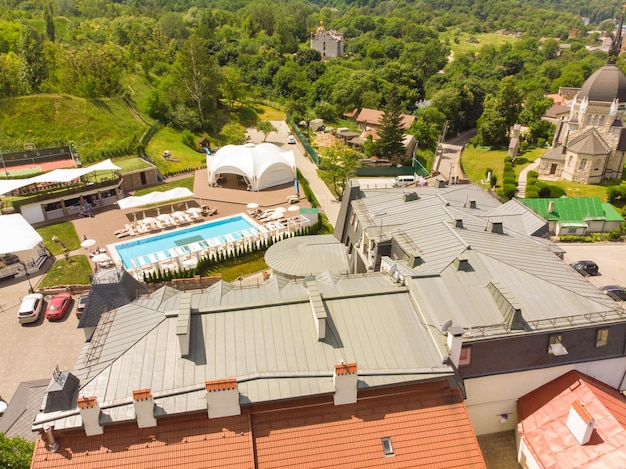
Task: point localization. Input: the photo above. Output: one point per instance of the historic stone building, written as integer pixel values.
(590, 144)
(328, 43)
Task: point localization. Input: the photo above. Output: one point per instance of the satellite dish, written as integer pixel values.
(446, 325)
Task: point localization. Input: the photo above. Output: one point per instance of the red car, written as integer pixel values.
(58, 305)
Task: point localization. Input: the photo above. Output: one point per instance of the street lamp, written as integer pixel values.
(30, 285)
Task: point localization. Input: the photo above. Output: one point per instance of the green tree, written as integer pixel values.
(338, 163)
(390, 144)
(232, 86)
(233, 134)
(15, 453)
(492, 125)
(197, 72)
(48, 16)
(265, 127)
(31, 52)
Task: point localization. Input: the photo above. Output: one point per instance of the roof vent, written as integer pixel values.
(409, 196)
(60, 391)
(495, 227)
(462, 264)
(183, 323)
(458, 223)
(144, 408)
(319, 310)
(222, 398)
(472, 203)
(551, 206)
(455, 343)
(345, 379)
(580, 422)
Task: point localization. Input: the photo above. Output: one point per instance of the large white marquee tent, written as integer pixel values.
(263, 165)
(18, 237)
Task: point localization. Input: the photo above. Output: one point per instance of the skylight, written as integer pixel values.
(387, 447)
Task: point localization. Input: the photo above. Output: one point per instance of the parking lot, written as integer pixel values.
(610, 257)
(32, 351)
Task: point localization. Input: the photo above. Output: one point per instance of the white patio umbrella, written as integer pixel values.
(88, 242)
(178, 214)
(164, 217)
(280, 209)
(149, 220)
(194, 210)
(277, 215)
(101, 258)
(252, 205)
(293, 208)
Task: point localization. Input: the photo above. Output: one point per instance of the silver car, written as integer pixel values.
(30, 308)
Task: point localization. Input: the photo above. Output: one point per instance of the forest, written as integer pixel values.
(189, 64)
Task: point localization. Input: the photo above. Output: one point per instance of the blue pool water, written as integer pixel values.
(174, 243)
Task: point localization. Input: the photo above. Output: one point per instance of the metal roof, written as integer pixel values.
(307, 255)
(264, 336)
(570, 210)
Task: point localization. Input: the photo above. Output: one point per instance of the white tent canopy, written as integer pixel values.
(263, 165)
(57, 175)
(156, 197)
(17, 235)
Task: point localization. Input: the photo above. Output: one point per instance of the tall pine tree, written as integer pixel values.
(391, 133)
(48, 15)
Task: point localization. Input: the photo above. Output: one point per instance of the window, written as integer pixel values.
(602, 337)
(555, 345)
(572, 230)
(387, 447)
(352, 218)
(569, 160)
(596, 165)
(466, 356)
(583, 164)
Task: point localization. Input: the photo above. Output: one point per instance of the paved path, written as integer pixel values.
(523, 176)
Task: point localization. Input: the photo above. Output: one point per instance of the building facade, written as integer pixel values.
(327, 43)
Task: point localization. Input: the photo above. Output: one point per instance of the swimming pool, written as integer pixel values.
(168, 244)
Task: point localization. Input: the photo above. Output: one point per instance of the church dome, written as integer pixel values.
(605, 85)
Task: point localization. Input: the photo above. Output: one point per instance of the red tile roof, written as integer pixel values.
(373, 116)
(427, 423)
(543, 415)
(190, 441)
(428, 426)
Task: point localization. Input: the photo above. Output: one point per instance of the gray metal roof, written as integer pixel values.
(589, 142)
(517, 216)
(264, 336)
(24, 405)
(307, 255)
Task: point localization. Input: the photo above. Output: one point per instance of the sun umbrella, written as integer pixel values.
(194, 210)
(164, 217)
(293, 208)
(252, 205)
(280, 209)
(276, 215)
(149, 220)
(178, 214)
(88, 242)
(101, 258)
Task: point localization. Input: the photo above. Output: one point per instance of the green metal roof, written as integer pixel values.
(572, 210)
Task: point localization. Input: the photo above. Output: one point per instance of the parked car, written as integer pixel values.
(80, 306)
(30, 308)
(291, 139)
(616, 292)
(58, 306)
(585, 267)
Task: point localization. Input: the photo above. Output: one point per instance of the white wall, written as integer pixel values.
(490, 396)
(33, 213)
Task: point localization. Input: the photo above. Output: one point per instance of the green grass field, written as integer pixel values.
(462, 42)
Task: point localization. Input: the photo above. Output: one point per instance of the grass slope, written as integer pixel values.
(53, 120)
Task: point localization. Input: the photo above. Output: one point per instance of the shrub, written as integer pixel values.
(508, 180)
(531, 193)
(508, 191)
(494, 180)
(549, 191)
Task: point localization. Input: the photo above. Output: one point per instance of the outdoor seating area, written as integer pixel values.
(187, 256)
(164, 221)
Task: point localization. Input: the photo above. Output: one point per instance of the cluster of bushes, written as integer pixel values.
(493, 179)
(615, 235)
(615, 193)
(509, 180)
(106, 153)
(542, 190)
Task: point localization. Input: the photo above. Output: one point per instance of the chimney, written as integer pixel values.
(144, 408)
(317, 307)
(345, 379)
(472, 203)
(455, 342)
(90, 413)
(410, 196)
(580, 422)
(222, 398)
(52, 443)
(458, 223)
(183, 323)
(551, 206)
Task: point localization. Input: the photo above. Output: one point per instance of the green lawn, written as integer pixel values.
(240, 266)
(130, 164)
(472, 42)
(169, 139)
(65, 232)
(186, 182)
(74, 271)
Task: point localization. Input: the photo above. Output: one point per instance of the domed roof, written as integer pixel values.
(605, 85)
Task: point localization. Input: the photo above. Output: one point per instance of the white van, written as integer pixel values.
(401, 181)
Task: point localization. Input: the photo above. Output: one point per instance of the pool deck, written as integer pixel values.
(230, 198)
